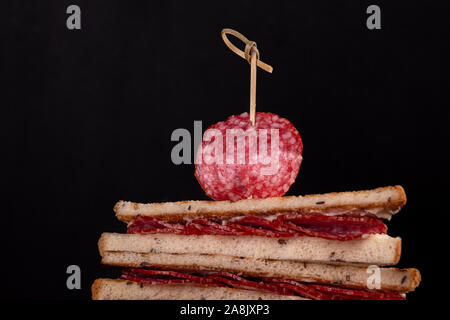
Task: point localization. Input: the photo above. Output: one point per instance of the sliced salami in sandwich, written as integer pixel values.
(327, 247)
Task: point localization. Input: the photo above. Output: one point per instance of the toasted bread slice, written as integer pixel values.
(381, 202)
(391, 279)
(378, 249)
(109, 289)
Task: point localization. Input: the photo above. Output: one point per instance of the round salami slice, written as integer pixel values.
(239, 161)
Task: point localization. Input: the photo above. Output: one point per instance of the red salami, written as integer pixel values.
(276, 285)
(164, 277)
(336, 293)
(239, 161)
(332, 227)
(285, 225)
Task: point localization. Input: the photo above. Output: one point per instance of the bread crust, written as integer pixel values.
(416, 277)
(392, 279)
(376, 249)
(95, 288)
(117, 289)
(392, 202)
(398, 251)
(101, 245)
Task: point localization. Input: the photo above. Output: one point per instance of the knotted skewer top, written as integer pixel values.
(251, 54)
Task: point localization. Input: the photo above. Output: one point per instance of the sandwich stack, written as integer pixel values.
(328, 246)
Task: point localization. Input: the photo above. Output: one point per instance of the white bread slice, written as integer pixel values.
(378, 249)
(109, 289)
(392, 279)
(381, 202)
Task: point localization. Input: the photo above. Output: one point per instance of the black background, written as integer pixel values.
(88, 115)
